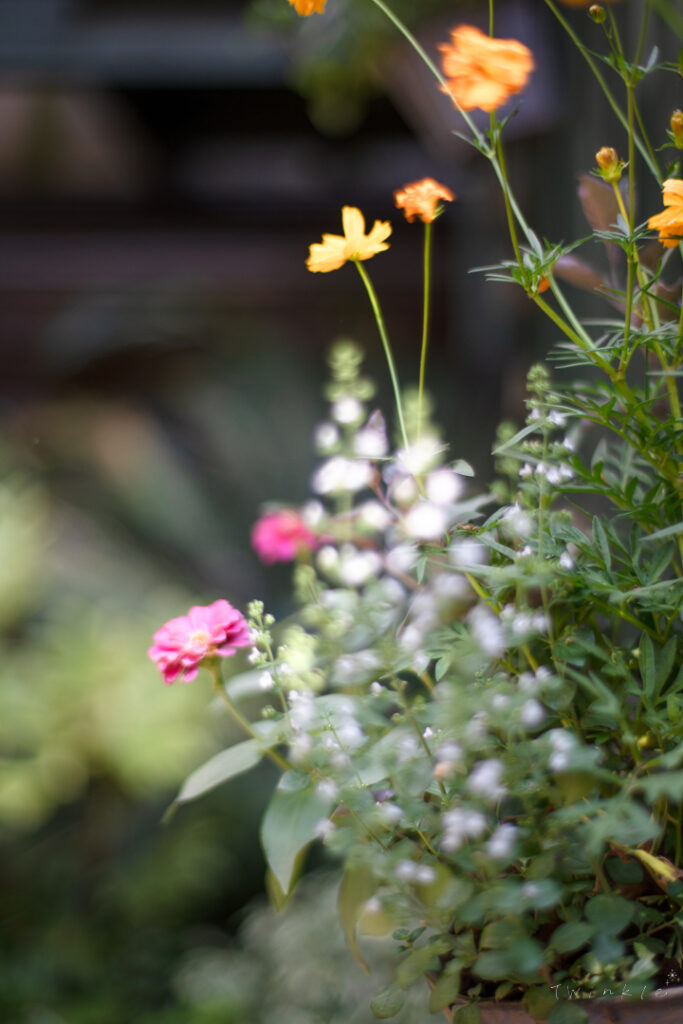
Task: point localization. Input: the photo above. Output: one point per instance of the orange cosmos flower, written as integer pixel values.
(483, 72)
(306, 7)
(420, 199)
(669, 222)
(354, 244)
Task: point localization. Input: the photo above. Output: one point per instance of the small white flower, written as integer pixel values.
(424, 874)
(327, 789)
(300, 747)
(557, 418)
(450, 752)
(553, 475)
(405, 491)
(522, 623)
(371, 441)
(347, 410)
(376, 688)
(450, 586)
(326, 437)
(500, 702)
(425, 521)
(526, 470)
(541, 469)
(501, 843)
(530, 890)
(543, 673)
(428, 733)
(525, 552)
(401, 559)
(569, 443)
(372, 906)
(540, 622)
(532, 714)
(463, 553)
(406, 870)
(485, 779)
(518, 521)
(324, 829)
(327, 559)
(390, 813)
(487, 631)
(374, 515)
(527, 682)
(254, 656)
(443, 486)
(558, 761)
(340, 474)
(419, 456)
(265, 681)
(357, 567)
(566, 561)
(312, 514)
(534, 415)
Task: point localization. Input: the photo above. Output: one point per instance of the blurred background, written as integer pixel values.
(164, 165)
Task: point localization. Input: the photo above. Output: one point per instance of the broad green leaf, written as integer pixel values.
(665, 662)
(570, 936)
(387, 1004)
(470, 1014)
(538, 1002)
(446, 988)
(568, 1013)
(357, 887)
(414, 965)
(290, 823)
(220, 768)
(609, 913)
(669, 784)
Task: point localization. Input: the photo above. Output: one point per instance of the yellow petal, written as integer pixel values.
(354, 230)
(374, 242)
(330, 254)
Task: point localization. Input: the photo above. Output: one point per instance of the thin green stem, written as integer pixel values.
(241, 720)
(425, 321)
(407, 34)
(649, 160)
(376, 309)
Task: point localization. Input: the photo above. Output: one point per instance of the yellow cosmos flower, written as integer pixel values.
(669, 222)
(306, 7)
(334, 250)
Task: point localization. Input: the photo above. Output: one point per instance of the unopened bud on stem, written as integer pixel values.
(677, 128)
(609, 164)
(597, 13)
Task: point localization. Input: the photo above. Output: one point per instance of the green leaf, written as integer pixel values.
(414, 965)
(609, 913)
(669, 784)
(357, 887)
(470, 1014)
(568, 1013)
(538, 1002)
(668, 531)
(447, 987)
(646, 660)
(601, 542)
(387, 1003)
(289, 825)
(219, 769)
(570, 936)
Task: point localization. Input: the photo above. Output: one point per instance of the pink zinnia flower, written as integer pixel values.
(182, 644)
(280, 536)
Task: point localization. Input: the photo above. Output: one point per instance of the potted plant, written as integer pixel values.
(478, 706)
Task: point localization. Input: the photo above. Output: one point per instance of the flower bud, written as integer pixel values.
(609, 164)
(677, 128)
(597, 13)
